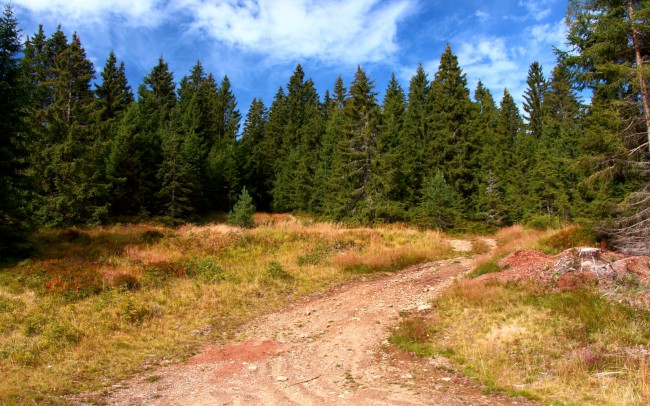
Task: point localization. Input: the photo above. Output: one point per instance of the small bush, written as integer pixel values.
(314, 256)
(414, 334)
(540, 222)
(151, 236)
(61, 334)
(205, 268)
(71, 279)
(242, 213)
(484, 268)
(126, 281)
(159, 273)
(74, 236)
(133, 311)
(275, 270)
(568, 238)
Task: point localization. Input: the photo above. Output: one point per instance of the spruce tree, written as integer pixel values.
(360, 168)
(326, 186)
(256, 171)
(223, 167)
(514, 153)
(412, 147)
(71, 183)
(132, 165)
(392, 125)
(177, 174)
(609, 45)
(160, 90)
(14, 219)
(243, 211)
(438, 205)
(490, 207)
(452, 145)
(114, 95)
(533, 99)
(294, 183)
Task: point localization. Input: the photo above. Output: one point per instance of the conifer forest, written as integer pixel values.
(78, 148)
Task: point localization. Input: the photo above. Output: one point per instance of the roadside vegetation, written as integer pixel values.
(98, 304)
(558, 346)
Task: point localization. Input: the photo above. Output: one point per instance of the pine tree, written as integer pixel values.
(438, 205)
(132, 165)
(114, 95)
(393, 111)
(243, 210)
(609, 46)
(71, 182)
(358, 165)
(255, 170)
(559, 145)
(161, 91)
(177, 175)
(294, 183)
(533, 99)
(326, 188)
(490, 207)
(452, 144)
(14, 219)
(412, 147)
(222, 160)
(514, 153)
(200, 117)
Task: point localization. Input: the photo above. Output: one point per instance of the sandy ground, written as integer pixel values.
(328, 349)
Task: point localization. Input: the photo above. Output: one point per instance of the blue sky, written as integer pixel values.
(258, 43)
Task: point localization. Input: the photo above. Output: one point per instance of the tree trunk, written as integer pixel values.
(639, 68)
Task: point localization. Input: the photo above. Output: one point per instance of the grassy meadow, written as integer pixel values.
(573, 347)
(95, 305)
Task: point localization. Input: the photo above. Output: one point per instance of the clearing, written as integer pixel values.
(329, 348)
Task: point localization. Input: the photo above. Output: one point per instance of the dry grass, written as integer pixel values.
(570, 347)
(99, 304)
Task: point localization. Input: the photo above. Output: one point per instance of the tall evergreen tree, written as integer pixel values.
(159, 92)
(256, 170)
(14, 219)
(114, 95)
(412, 146)
(296, 165)
(222, 160)
(176, 174)
(326, 189)
(72, 185)
(438, 205)
(533, 99)
(515, 153)
(490, 207)
(136, 151)
(609, 44)
(359, 166)
(452, 144)
(393, 111)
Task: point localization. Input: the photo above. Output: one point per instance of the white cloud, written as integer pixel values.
(336, 30)
(493, 61)
(332, 30)
(537, 9)
(134, 12)
(548, 34)
(501, 62)
(481, 15)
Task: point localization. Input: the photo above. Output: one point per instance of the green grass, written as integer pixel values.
(491, 266)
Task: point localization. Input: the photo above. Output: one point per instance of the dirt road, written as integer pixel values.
(331, 349)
